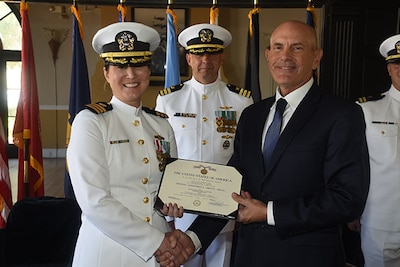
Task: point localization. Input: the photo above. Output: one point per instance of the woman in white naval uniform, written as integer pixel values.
(116, 157)
(380, 221)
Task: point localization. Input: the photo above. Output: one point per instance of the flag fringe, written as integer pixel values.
(175, 18)
(77, 14)
(214, 12)
(122, 8)
(250, 16)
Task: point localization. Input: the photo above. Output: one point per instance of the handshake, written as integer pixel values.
(175, 249)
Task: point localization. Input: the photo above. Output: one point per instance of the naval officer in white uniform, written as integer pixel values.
(203, 112)
(380, 222)
(116, 156)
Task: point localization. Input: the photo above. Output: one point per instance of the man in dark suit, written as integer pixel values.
(291, 208)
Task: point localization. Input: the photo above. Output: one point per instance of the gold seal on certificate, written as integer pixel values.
(200, 187)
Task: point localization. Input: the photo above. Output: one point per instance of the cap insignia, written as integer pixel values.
(206, 35)
(125, 41)
(398, 47)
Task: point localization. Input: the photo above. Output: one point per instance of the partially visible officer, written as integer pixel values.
(204, 112)
(380, 221)
(116, 157)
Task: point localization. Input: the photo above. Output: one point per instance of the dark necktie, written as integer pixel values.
(271, 138)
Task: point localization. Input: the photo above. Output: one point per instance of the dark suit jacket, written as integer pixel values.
(318, 180)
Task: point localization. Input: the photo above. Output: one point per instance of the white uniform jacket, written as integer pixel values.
(204, 118)
(382, 117)
(115, 175)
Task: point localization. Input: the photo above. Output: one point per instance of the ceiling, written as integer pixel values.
(194, 3)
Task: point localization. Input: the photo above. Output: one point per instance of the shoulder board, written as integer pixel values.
(99, 107)
(239, 90)
(370, 98)
(171, 89)
(155, 112)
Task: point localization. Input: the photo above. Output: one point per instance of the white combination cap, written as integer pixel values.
(125, 43)
(390, 49)
(205, 38)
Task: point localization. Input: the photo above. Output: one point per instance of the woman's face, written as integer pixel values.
(128, 83)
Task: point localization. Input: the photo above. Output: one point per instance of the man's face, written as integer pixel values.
(292, 56)
(394, 73)
(205, 67)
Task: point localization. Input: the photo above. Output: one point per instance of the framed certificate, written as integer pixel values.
(201, 188)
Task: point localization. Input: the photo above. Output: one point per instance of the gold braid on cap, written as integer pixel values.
(195, 46)
(126, 54)
(392, 57)
(396, 55)
(201, 49)
(126, 60)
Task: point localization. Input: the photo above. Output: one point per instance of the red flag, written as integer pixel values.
(27, 124)
(5, 185)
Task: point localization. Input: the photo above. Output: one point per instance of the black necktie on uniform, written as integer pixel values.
(273, 132)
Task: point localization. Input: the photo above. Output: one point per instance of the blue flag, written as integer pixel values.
(252, 79)
(79, 89)
(310, 14)
(172, 73)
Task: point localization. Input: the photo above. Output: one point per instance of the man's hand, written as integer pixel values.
(355, 225)
(175, 249)
(250, 209)
(172, 210)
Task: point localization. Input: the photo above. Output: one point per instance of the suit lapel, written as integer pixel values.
(304, 111)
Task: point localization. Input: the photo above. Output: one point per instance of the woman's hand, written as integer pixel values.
(172, 210)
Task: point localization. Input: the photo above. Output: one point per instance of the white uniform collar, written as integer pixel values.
(205, 88)
(125, 108)
(393, 92)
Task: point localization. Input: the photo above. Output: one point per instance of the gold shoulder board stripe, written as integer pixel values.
(99, 107)
(155, 112)
(364, 99)
(171, 89)
(239, 90)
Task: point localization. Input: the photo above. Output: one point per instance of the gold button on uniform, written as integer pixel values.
(145, 160)
(147, 219)
(136, 123)
(145, 181)
(204, 97)
(183, 126)
(145, 200)
(140, 141)
(204, 142)
(205, 119)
